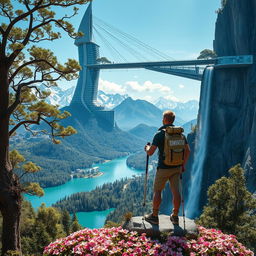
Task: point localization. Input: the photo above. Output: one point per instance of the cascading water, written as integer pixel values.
(192, 205)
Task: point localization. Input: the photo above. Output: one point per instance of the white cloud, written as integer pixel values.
(181, 86)
(148, 86)
(147, 90)
(110, 87)
(173, 98)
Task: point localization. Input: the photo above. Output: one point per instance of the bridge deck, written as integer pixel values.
(192, 69)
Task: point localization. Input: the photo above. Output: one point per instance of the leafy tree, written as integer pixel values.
(207, 54)
(24, 66)
(104, 60)
(231, 207)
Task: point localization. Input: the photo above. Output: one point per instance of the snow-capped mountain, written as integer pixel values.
(187, 110)
(110, 101)
(164, 104)
(63, 97)
(59, 96)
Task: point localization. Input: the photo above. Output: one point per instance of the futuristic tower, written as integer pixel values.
(87, 85)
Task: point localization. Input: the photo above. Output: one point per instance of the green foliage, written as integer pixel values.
(223, 4)
(111, 224)
(231, 208)
(75, 226)
(40, 228)
(16, 158)
(66, 221)
(31, 188)
(207, 54)
(103, 60)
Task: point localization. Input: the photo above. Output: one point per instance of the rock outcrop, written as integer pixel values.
(139, 225)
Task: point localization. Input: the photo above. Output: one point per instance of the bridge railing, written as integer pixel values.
(191, 69)
(234, 61)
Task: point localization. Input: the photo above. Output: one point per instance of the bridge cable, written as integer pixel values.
(135, 40)
(110, 47)
(126, 46)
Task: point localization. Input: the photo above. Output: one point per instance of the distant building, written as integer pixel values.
(85, 95)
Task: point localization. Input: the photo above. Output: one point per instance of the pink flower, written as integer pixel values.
(118, 241)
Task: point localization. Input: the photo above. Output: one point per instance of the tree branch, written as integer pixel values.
(33, 62)
(24, 173)
(52, 128)
(25, 41)
(23, 123)
(6, 14)
(1, 30)
(18, 92)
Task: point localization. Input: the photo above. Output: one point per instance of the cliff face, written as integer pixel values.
(232, 130)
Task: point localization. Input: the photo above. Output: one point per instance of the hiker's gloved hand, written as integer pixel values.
(146, 148)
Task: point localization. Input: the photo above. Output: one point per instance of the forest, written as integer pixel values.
(124, 195)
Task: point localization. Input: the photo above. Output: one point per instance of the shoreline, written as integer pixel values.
(94, 176)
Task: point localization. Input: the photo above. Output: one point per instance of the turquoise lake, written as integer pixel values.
(113, 170)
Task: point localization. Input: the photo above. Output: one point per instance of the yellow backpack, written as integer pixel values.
(174, 146)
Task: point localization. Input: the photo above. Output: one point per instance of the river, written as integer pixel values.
(113, 170)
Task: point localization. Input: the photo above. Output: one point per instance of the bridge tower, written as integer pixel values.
(87, 85)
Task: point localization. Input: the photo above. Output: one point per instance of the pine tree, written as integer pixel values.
(75, 226)
(24, 65)
(66, 221)
(231, 207)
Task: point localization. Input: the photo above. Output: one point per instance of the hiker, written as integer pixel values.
(169, 172)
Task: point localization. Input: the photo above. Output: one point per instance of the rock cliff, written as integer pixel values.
(232, 130)
(231, 125)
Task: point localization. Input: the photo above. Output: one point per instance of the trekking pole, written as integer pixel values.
(145, 183)
(182, 201)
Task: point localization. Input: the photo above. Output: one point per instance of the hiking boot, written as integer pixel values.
(174, 219)
(152, 219)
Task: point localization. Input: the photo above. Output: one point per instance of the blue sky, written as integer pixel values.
(178, 28)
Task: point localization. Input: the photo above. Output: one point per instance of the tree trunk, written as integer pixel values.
(11, 222)
(10, 199)
(10, 192)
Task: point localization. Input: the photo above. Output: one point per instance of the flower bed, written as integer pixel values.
(121, 242)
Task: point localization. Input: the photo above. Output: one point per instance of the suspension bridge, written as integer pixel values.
(91, 62)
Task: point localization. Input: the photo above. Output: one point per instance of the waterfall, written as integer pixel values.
(192, 205)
